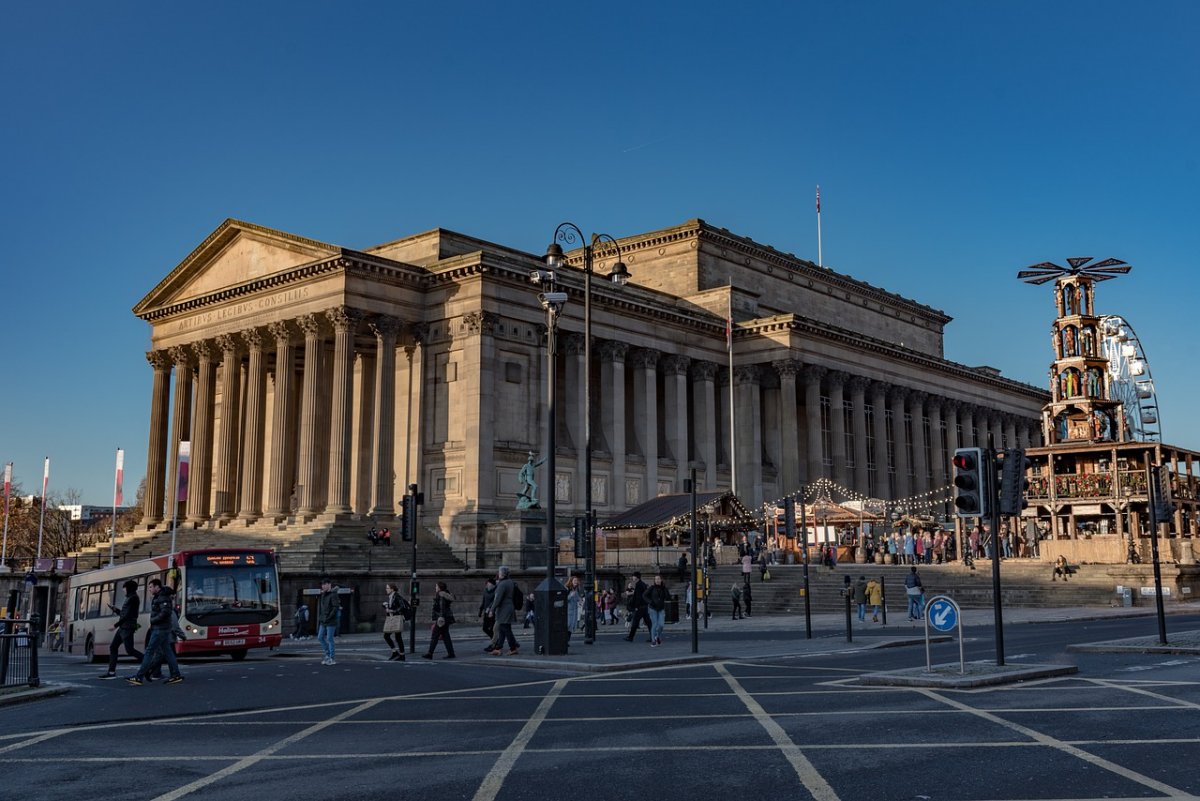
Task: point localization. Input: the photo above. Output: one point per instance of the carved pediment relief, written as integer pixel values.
(234, 254)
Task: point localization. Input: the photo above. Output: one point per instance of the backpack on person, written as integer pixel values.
(518, 598)
(404, 608)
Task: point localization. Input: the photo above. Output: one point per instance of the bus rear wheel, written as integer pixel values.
(89, 650)
(239, 655)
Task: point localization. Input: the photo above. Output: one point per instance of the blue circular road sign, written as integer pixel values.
(942, 613)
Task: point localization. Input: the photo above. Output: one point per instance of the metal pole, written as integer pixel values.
(696, 573)
(804, 538)
(411, 525)
(883, 598)
(1153, 491)
(708, 544)
(112, 539)
(551, 444)
(7, 483)
(989, 486)
(848, 591)
(589, 625)
(42, 519)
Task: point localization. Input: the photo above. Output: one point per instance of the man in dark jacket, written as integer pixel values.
(327, 618)
(656, 597)
(487, 617)
(160, 648)
(637, 606)
(125, 626)
(504, 608)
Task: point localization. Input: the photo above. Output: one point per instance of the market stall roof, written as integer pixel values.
(826, 511)
(666, 509)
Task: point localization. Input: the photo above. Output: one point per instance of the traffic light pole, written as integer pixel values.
(803, 535)
(1154, 488)
(409, 503)
(989, 481)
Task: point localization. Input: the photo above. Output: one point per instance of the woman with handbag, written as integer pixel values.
(393, 624)
(443, 619)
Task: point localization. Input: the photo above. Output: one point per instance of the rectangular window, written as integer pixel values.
(890, 422)
(909, 446)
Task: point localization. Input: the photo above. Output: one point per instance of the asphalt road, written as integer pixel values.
(1125, 726)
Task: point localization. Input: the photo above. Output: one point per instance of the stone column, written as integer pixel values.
(675, 414)
(920, 450)
(749, 437)
(612, 415)
(724, 445)
(966, 415)
(200, 485)
(479, 409)
(995, 426)
(704, 416)
(282, 465)
(383, 482)
(228, 451)
(836, 380)
(812, 416)
(950, 410)
(937, 445)
(645, 414)
(571, 345)
(252, 428)
(898, 396)
(306, 489)
(1010, 431)
(858, 421)
(883, 484)
(181, 422)
(341, 434)
(156, 451)
(789, 468)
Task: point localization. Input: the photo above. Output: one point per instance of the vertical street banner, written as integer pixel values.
(7, 484)
(45, 480)
(119, 481)
(185, 451)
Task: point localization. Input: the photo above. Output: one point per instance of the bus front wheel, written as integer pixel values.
(89, 650)
(239, 655)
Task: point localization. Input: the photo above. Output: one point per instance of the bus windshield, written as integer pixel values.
(216, 596)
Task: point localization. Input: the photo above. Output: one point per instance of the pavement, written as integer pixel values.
(750, 639)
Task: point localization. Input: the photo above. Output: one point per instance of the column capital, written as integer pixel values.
(159, 359)
(281, 331)
(813, 373)
(611, 351)
(228, 343)
(181, 355)
(571, 342)
(205, 350)
(722, 376)
(858, 384)
(703, 371)
(917, 398)
(879, 389)
(645, 358)
(344, 318)
(787, 368)
(837, 377)
(310, 324)
(419, 332)
(384, 326)
(255, 338)
(674, 364)
(897, 393)
(480, 322)
(745, 374)
(950, 405)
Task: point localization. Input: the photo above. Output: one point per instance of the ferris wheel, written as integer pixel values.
(1130, 379)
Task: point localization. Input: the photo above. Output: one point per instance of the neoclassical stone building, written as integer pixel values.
(315, 382)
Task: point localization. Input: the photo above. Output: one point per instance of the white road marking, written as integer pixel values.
(504, 764)
(809, 776)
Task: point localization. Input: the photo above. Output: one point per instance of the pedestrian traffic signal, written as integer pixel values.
(971, 498)
(1160, 490)
(581, 533)
(1013, 483)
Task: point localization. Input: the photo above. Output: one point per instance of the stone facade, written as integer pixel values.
(316, 382)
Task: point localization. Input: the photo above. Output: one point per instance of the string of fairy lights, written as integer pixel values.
(823, 492)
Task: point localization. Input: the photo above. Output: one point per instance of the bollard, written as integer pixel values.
(849, 625)
(35, 631)
(883, 598)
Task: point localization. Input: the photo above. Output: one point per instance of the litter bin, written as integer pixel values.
(673, 610)
(1125, 595)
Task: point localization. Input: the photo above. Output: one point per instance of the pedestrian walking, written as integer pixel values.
(736, 597)
(874, 598)
(915, 590)
(328, 610)
(487, 618)
(505, 606)
(656, 597)
(574, 599)
(159, 649)
(125, 627)
(443, 619)
(300, 620)
(747, 596)
(860, 597)
(397, 610)
(636, 601)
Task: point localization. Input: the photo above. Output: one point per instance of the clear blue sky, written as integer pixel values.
(955, 143)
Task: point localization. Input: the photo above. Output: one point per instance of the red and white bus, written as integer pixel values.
(228, 601)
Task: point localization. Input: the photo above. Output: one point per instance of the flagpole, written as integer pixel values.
(42, 519)
(732, 427)
(4, 549)
(112, 539)
(820, 262)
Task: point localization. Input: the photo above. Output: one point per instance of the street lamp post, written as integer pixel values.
(568, 232)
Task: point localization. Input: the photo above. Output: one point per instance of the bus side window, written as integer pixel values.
(93, 602)
(106, 600)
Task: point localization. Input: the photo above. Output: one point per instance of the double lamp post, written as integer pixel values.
(554, 302)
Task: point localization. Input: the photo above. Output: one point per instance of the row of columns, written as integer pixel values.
(311, 442)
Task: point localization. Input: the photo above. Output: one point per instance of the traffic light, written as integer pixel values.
(971, 499)
(405, 515)
(1013, 482)
(581, 533)
(789, 517)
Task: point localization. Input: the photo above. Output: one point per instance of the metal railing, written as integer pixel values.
(19, 652)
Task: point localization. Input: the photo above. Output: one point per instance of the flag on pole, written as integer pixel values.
(118, 488)
(7, 482)
(818, 198)
(729, 322)
(185, 450)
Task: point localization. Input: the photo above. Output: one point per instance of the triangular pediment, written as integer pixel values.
(234, 254)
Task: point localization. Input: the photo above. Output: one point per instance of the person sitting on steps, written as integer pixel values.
(1061, 568)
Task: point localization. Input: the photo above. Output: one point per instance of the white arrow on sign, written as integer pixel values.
(941, 614)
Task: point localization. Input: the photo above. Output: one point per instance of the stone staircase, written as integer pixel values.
(336, 546)
(1022, 583)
